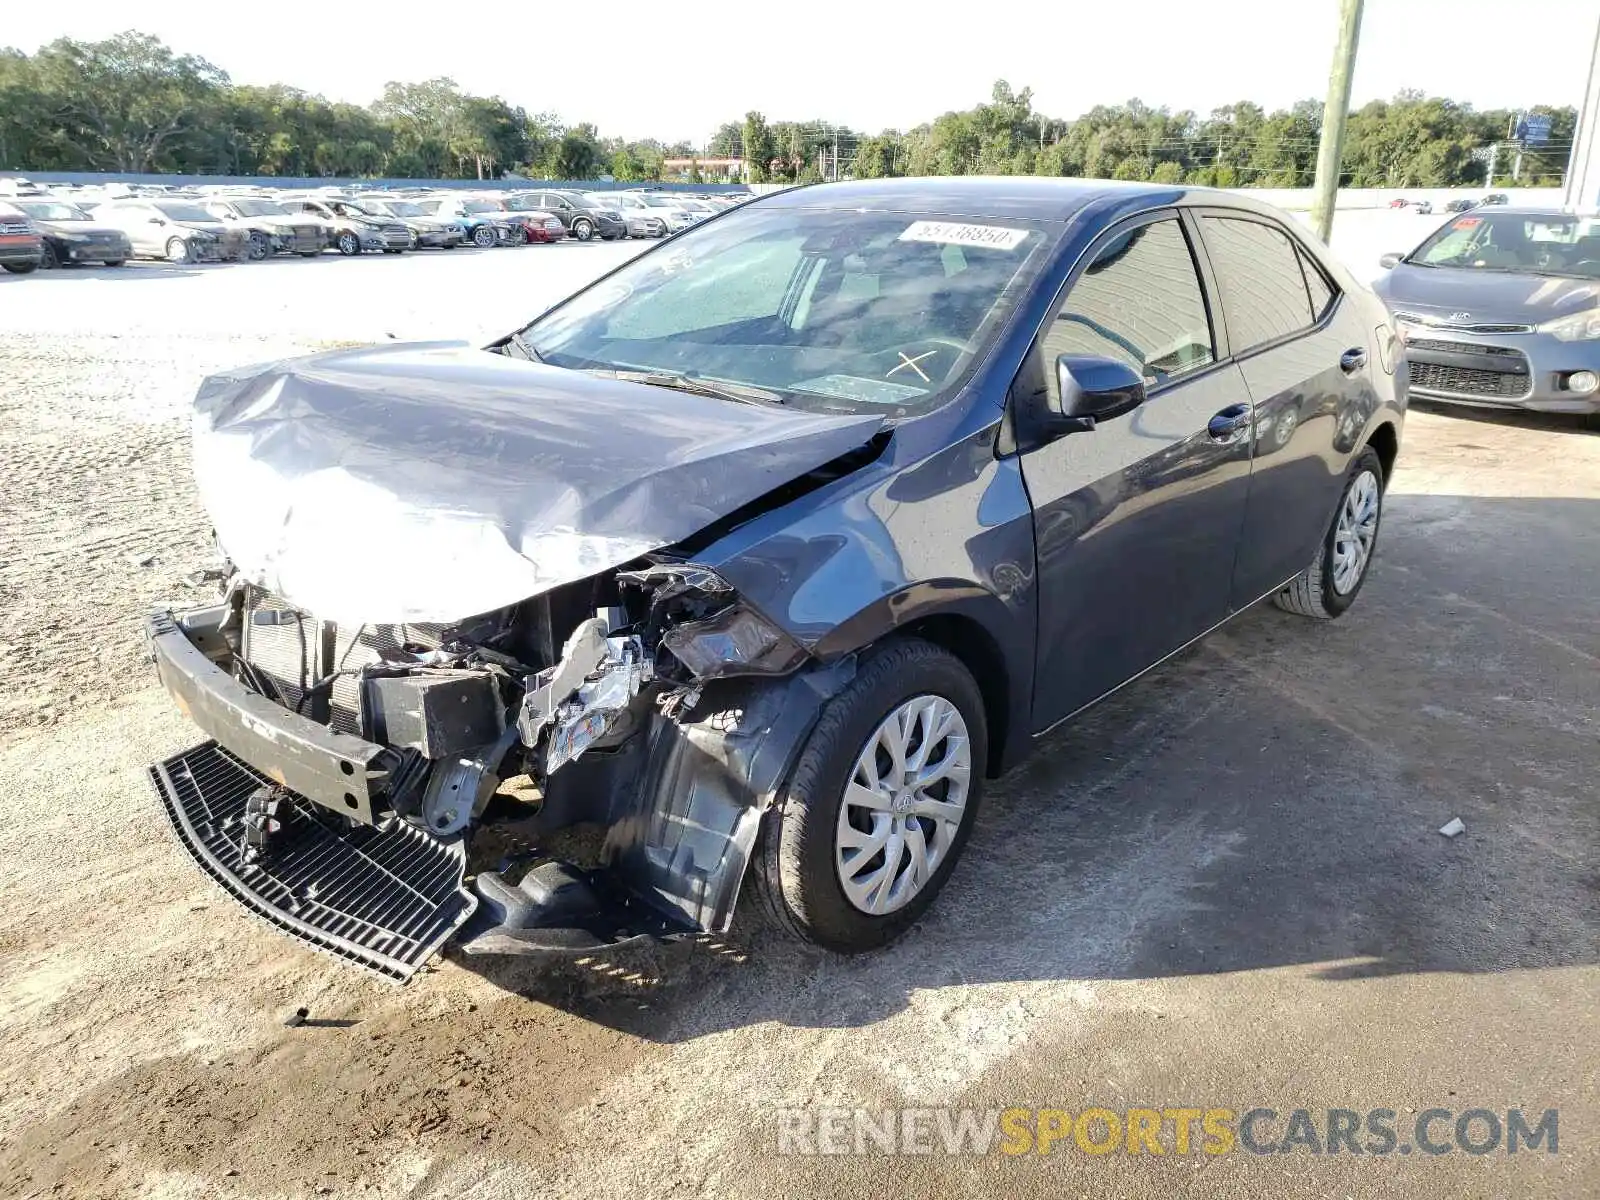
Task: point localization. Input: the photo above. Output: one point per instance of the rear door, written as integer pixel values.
(1137, 520)
(1304, 359)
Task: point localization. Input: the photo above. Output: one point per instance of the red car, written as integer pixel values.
(1399, 202)
(529, 227)
(21, 247)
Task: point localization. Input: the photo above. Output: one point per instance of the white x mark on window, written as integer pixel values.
(912, 363)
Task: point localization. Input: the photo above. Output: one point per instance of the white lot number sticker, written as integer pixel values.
(950, 233)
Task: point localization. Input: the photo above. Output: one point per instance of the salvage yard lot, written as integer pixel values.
(1222, 888)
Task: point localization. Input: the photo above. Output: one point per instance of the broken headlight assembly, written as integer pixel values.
(736, 641)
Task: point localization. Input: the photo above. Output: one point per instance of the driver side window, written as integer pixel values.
(1139, 302)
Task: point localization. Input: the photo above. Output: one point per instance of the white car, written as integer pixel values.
(648, 204)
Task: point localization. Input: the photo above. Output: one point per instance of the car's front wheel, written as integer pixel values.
(177, 251)
(880, 804)
(582, 229)
(1329, 585)
(483, 237)
(349, 243)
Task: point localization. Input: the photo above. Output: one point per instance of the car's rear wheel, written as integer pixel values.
(260, 247)
(1330, 584)
(483, 237)
(880, 803)
(20, 268)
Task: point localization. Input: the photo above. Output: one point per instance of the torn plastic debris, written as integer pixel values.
(1454, 827)
(598, 705)
(585, 693)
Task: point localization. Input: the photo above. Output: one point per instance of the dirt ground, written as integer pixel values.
(1224, 886)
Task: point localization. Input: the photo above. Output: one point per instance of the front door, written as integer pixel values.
(1136, 521)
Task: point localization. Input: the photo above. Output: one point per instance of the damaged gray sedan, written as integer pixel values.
(748, 564)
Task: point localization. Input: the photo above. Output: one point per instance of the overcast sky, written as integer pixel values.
(676, 71)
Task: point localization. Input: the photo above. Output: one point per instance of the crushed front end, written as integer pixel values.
(382, 789)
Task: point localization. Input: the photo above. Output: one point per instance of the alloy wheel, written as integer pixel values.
(1355, 531)
(903, 805)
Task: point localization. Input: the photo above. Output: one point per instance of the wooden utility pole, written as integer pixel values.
(1334, 111)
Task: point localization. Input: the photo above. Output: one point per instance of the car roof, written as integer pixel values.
(1043, 198)
(1551, 211)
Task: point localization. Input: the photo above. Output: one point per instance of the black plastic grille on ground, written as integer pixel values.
(383, 898)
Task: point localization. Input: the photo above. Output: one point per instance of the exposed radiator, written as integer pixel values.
(293, 650)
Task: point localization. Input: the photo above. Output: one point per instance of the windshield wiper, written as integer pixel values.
(678, 381)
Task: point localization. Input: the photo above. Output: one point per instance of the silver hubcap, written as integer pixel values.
(903, 805)
(1354, 533)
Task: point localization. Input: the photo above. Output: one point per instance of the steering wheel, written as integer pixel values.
(924, 360)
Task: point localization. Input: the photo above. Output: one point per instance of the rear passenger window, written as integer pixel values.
(1258, 272)
(1139, 301)
(1316, 287)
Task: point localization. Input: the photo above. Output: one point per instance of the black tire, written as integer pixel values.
(390, 250)
(484, 237)
(348, 243)
(309, 253)
(794, 872)
(179, 255)
(20, 268)
(1312, 592)
(583, 229)
(49, 260)
(260, 247)
(117, 262)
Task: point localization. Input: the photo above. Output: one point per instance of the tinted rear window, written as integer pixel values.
(1258, 272)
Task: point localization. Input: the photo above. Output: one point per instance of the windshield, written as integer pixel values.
(179, 211)
(601, 200)
(659, 202)
(53, 212)
(1525, 243)
(836, 311)
(479, 206)
(258, 208)
(398, 208)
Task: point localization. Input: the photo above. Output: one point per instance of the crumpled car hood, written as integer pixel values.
(436, 481)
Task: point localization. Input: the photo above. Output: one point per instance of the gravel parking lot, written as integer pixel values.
(1222, 888)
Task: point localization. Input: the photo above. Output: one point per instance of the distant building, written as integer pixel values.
(711, 169)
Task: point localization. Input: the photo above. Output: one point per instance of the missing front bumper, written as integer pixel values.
(385, 899)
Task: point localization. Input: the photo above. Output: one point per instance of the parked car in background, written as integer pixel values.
(486, 224)
(350, 229)
(640, 220)
(430, 232)
(529, 225)
(1496, 198)
(697, 208)
(1461, 204)
(1399, 202)
(760, 568)
(272, 228)
(1500, 308)
(71, 236)
(21, 247)
(582, 218)
(1422, 207)
(179, 231)
(676, 216)
(644, 204)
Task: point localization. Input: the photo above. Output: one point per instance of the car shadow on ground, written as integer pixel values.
(1272, 798)
(1553, 422)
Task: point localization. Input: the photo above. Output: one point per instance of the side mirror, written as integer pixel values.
(1391, 260)
(157, 221)
(1093, 390)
